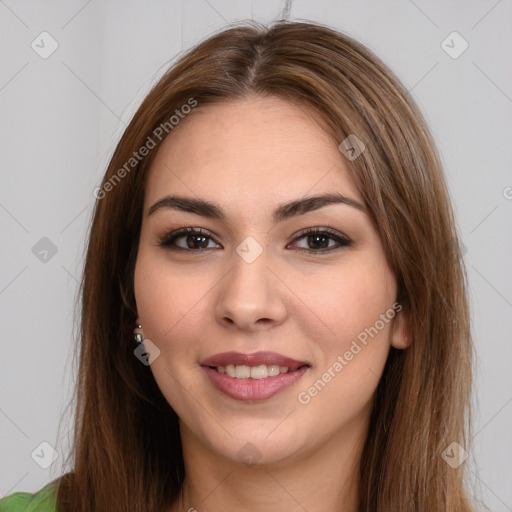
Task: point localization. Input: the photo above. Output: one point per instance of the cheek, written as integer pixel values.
(345, 304)
(353, 354)
(170, 302)
(171, 310)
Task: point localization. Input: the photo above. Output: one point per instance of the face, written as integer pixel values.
(274, 316)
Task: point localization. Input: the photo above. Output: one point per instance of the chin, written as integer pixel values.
(257, 450)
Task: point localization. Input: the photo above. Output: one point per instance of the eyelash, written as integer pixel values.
(168, 239)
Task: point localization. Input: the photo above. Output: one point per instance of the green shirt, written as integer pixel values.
(41, 501)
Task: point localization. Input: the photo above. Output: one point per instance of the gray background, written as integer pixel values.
(61, 119)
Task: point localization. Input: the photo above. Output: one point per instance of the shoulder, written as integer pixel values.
(43, 500)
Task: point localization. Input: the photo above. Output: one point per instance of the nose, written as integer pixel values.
(251, 296)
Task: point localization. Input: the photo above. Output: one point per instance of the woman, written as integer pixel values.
(275, 233)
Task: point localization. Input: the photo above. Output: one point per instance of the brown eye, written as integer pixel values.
(193, 240)
(318, 240)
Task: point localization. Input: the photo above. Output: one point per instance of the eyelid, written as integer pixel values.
(319, 229)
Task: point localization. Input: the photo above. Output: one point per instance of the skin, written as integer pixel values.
(249, 156)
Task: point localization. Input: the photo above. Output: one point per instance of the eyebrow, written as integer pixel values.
(281, 213)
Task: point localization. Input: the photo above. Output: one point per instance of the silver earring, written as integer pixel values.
(137, 334)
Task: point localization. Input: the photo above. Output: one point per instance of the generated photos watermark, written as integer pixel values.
(147, 352)
(158, 134)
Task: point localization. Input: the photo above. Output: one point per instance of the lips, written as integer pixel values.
(253, 377)
(256, 359)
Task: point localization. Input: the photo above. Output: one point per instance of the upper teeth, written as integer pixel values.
(255, 372)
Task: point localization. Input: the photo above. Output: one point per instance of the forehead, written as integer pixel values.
(258, 150)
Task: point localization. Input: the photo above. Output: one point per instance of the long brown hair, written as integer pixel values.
(127, 451)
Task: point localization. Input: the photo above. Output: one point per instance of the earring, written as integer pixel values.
(137, 334)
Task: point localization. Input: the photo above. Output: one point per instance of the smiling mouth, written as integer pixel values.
(253, 377)
(253, 383)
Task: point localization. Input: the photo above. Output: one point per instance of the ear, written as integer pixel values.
(400, 332)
